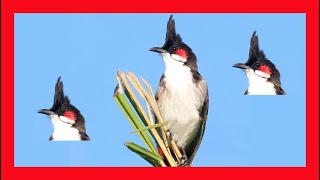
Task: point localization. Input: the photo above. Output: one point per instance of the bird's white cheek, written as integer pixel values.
(67, 120)
(170, 62)
(54, 119)
(178, 58)
(262, 74)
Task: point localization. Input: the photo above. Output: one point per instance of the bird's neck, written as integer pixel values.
(175, 69)
(64, 131)
(259, 85)
(179, 76)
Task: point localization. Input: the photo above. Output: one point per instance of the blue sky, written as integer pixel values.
(88, 49)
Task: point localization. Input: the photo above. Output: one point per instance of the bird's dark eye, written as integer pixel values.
(174, 48)
(62, 110)
(257, 64)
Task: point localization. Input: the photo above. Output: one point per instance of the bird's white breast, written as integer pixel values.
(63, 131)
(259, 85)
(179, 103)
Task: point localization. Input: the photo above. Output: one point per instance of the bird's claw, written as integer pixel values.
(168, 133)
(183, 162)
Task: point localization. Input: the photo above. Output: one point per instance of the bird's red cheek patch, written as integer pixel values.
(70, 115)
(266, 69)
(182, 53)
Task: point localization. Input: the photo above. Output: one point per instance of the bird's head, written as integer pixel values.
(258, 63)
(175, 51)
(62, 110)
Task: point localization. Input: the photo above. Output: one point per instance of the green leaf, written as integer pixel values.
(138, 110)
(152, 158)
(133, 119)
(149, 127)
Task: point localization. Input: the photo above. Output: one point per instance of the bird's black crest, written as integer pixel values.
(59, 97)
(254, 45)
(171, 35)
(254, 51)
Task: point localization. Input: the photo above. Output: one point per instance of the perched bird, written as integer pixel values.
(263, 76)
(67, 121)
(182, 94)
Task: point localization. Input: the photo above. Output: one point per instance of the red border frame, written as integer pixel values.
(8, 8)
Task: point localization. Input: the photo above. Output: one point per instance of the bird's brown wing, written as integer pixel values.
(192, 149)
(161, 88)
(84, 136)
(279, 90)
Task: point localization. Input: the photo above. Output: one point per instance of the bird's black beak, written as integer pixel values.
(157, 49)
(45, 111)
(241, 66)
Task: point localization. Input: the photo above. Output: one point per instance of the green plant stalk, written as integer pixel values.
(134, 104)
(151, 157)
(126, 108)
(122, 77)
(128, 117)
(152, 162)
(138, 110)
(144, 156)
(147, 96)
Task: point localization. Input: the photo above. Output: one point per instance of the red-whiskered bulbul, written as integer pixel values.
(67, 121)
(182, 94)
(263, 76)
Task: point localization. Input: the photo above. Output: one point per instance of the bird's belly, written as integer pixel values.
(70, 134)
(179, 107)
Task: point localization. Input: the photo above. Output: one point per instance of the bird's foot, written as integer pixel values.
(183, 162)
(168, 134)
